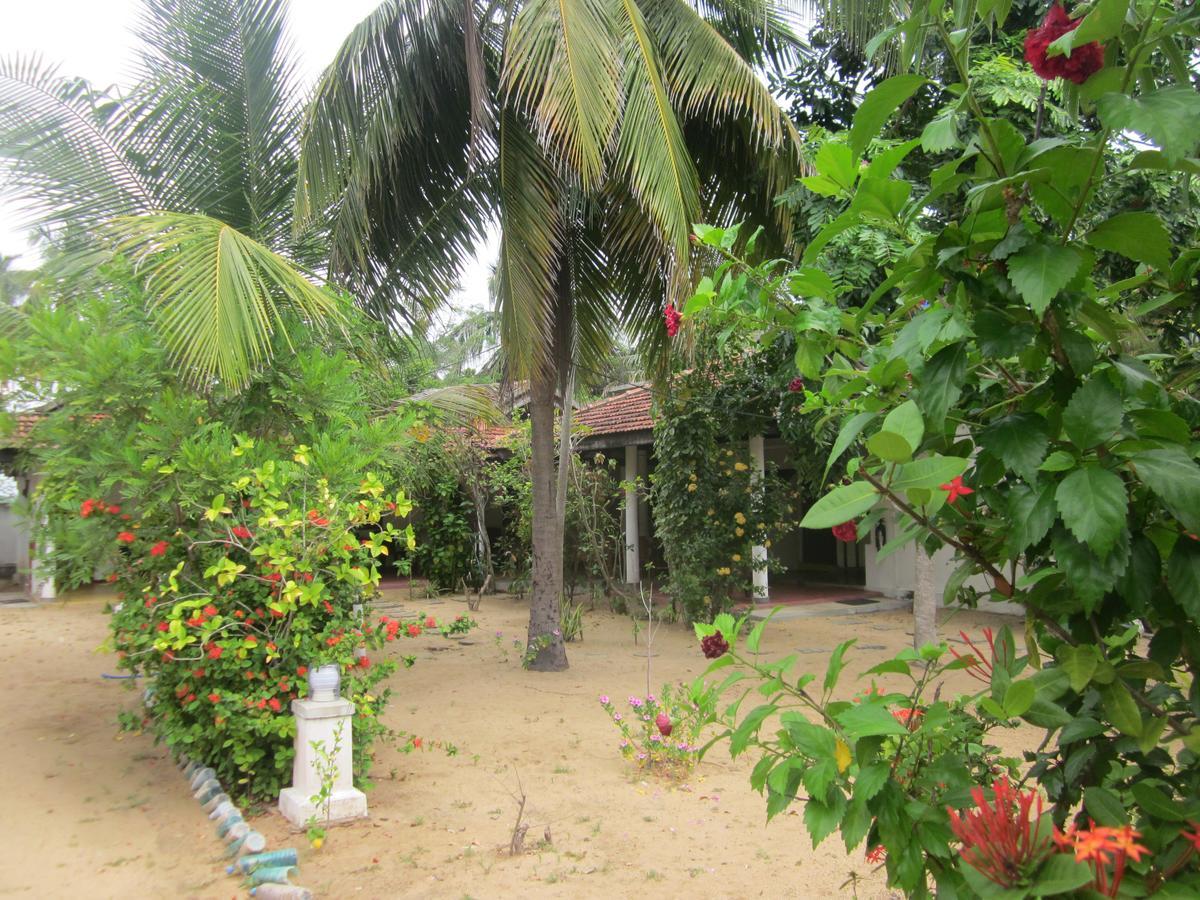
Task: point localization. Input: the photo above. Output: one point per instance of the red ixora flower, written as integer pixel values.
(126, 537)
(414, 630)
(673, 318)
(431, 622)
(714, 646)
(847, 532)
(1002, 841)
(214, 698)
(214, 651)
(955, 488)
(1082, 64)
(241, 531)
(317, 519)
(159, 549)
(87, 507)
(1099, 846)
(275, 704)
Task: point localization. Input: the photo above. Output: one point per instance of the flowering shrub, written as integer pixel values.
(1015, 387)
(660, 734)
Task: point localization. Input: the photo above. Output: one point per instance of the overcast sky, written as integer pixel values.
(93, 39)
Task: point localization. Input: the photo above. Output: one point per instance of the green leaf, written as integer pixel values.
(1121, 708)
(1080, 664)
(1183, 575)
(1093, 413)
(834, 669)
(1030, 515)
(749, 728)
(850, 431)
(893, 666)
(1094, 506)
(1019, 442)
(1104, 806)
(877, 107)
(869, 719)
(1061, 874)
(1153, 801)
(1138, 236)
(1175, 478)
(822, 819)
(928, 472)
(941, 381)
(1088, 576)
(1170, 117)
(856, 824)
(1058, 461)
(1104, 21)
(841, 505)
(870, 781)
(1040, 271)
(1079, 729)
(811, 740)
(1019, 698)
(888, 445)
(906, 421)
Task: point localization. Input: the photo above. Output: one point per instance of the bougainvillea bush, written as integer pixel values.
(1020, 388)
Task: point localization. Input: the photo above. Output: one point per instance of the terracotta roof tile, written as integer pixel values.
(627, 411)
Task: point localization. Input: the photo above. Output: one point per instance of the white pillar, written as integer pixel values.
(326, 723)
(758, 553)
(41, 573)
(633, 567)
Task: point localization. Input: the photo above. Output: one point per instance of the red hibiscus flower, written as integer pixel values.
(796, 385)
(126, 537)
(241, 531)
(1081, 65)
(673, 318)
(955, 488)
(847, 532)
(159, 549)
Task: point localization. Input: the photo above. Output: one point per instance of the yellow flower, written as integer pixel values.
(739, 531)
(691, 488)
(737, 557)
(692, 477)
(740, 518)
(841, 753)
(767, 543)
(729, 453)
(740, 466)
(710, 511)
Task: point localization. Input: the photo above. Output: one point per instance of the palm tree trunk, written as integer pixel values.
(924, 602)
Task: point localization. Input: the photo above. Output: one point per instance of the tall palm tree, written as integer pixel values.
(192, 173)
(595, 131)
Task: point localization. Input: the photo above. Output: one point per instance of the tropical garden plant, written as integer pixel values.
(1016, 387)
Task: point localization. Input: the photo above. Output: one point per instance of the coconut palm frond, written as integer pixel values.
(217, 294)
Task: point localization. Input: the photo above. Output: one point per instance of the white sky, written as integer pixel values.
(94, 39)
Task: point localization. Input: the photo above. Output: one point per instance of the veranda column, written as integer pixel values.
(633, 568)
(758, 553)
(41, 573)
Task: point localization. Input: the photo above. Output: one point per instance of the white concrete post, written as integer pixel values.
(758, 553)
(326, 723)
(633, 566)
(41, 575)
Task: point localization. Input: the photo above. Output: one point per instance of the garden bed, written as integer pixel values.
(105, 815)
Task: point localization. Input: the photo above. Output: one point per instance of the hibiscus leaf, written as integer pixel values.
(1093, 504)
(1170, 117)
(841, 505)
(1040, 271)
(1138, 236)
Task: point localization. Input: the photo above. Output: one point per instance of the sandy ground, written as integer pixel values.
(93, 813)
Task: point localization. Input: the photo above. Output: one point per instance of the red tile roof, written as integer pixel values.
(23, 425)
(623, 412)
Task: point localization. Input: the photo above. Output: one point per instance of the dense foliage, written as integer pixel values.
(1020, 385)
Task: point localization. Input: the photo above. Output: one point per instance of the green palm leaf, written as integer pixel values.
(218, 294)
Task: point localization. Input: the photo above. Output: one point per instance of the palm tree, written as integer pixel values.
(595, 131)
(192, 173)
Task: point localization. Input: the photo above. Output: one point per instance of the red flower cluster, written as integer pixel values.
(1100, 846)
(317, 519)
(1083, 62)
(241, 531)
(847, 532)
(159, 549)
(673, 318)
(714, 646)
(1001, 841)
(980, 667)
(431, 622)
(126, 537)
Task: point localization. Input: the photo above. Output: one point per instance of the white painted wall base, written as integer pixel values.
(319, 721)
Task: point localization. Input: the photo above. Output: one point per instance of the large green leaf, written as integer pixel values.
(941, 381)
(1101, 23)
(1121, 708)
(841, 505)
(1093, 413)
(1183, 575)
(906, 421)
(1175, 478)
(1093, 505)
(1041, 270)
(847, 434)
(869, 719)
(1019, 441)
(877, 107)
(928, 472)
(1139, 236)
(1169, 116)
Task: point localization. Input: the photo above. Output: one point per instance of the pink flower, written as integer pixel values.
(673, 318)
(663, 721)
(604, 699)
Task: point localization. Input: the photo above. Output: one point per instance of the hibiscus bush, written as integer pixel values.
(1020, 387)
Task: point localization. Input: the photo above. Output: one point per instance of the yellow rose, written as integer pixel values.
(739, 531)
(691, 488)
(740, 466)
(737, 557)
(692, 477)
(740, 518)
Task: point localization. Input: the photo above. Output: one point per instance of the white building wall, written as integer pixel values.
(14, 542)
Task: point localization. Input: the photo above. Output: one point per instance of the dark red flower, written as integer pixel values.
(663, 721)
(796, 385)
(159, 549)
(847, 532)
(126, 537)
(673, 318)
(1083, 62)
(714, 646)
